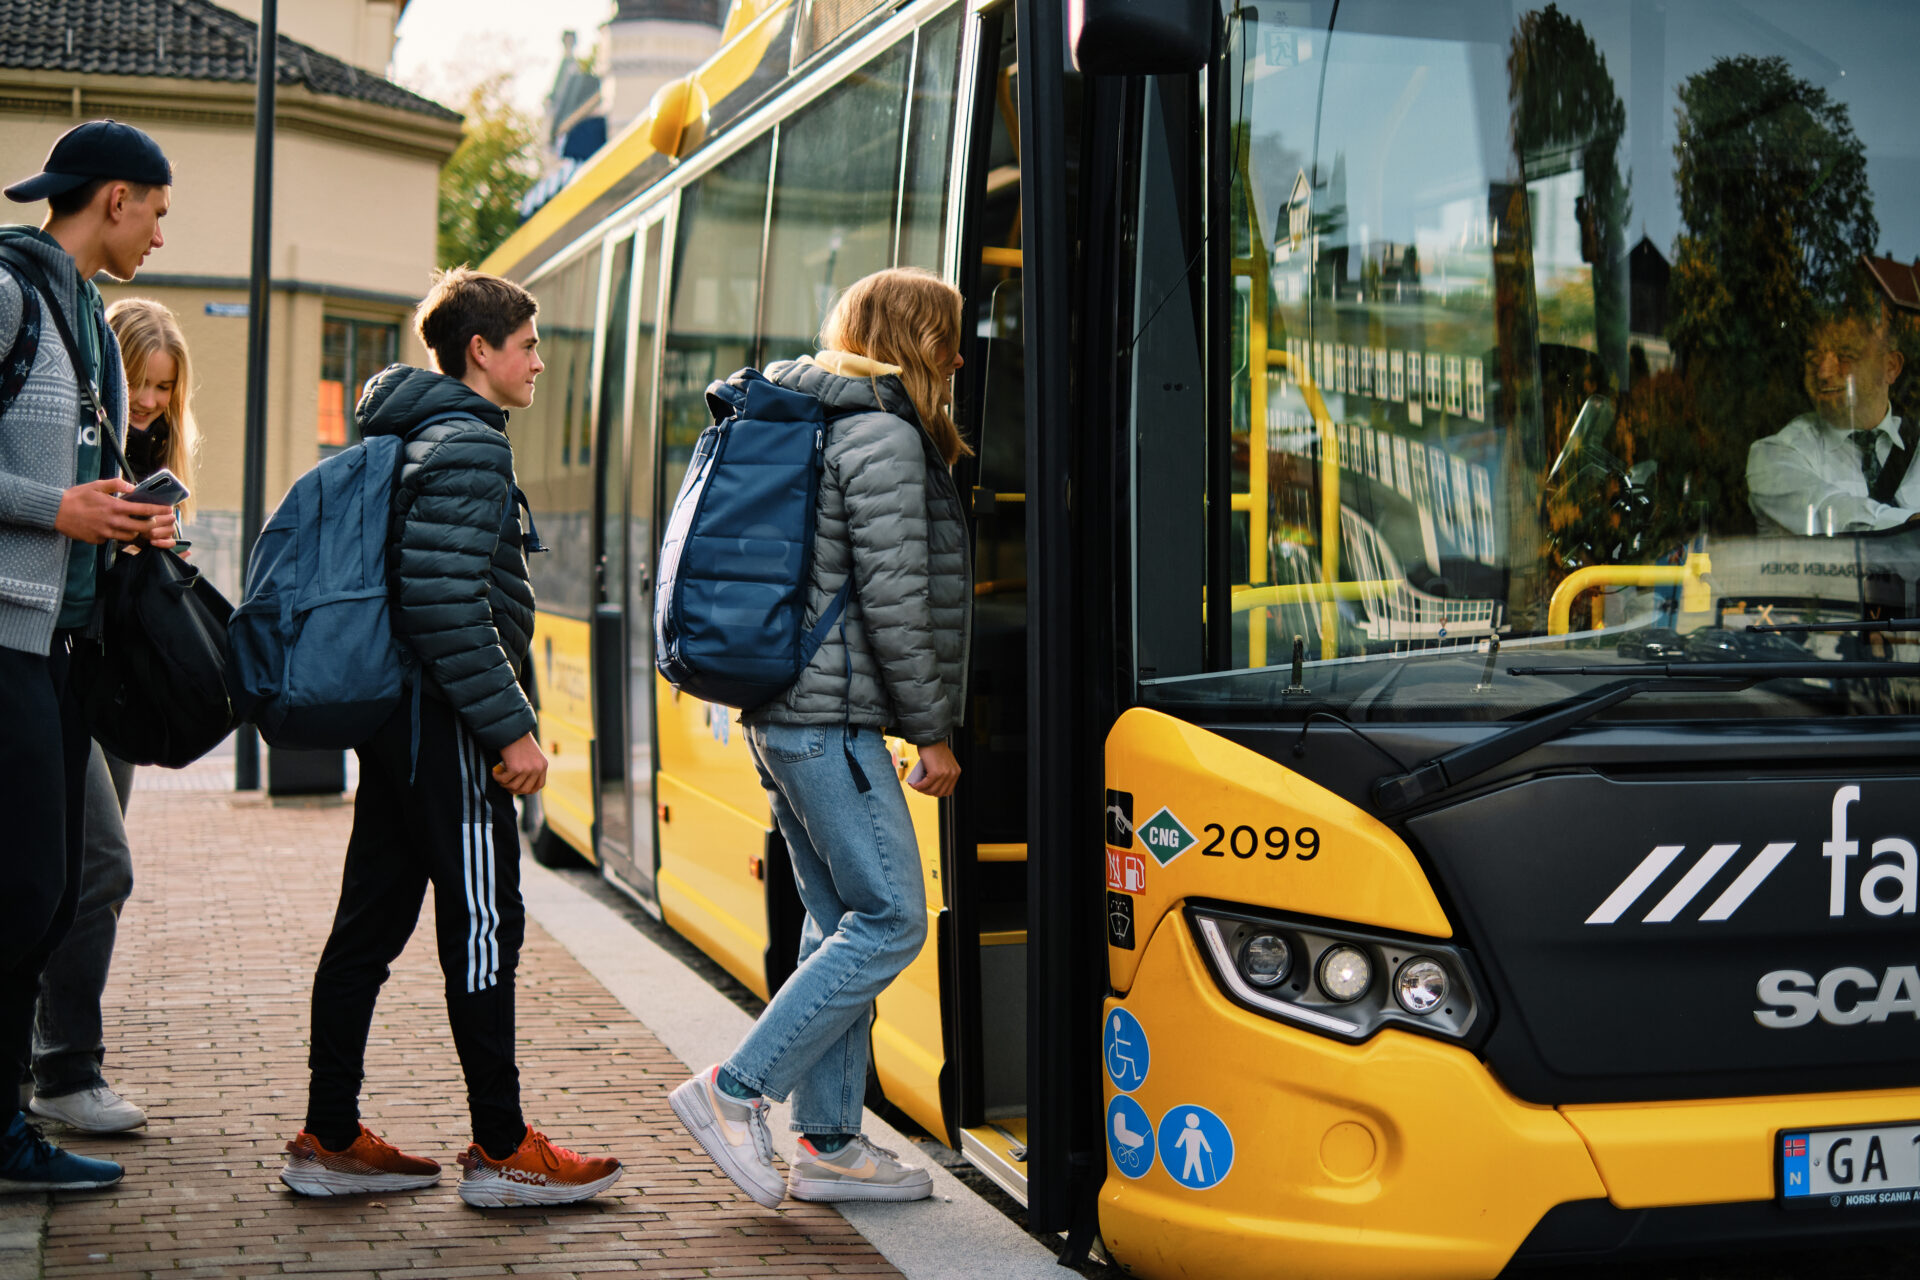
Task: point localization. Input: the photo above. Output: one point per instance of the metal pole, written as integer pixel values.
(246, 764)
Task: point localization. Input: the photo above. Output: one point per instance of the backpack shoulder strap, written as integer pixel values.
(29, 271)
(1897, 462)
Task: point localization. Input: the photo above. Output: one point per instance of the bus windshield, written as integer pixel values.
(1584, 331)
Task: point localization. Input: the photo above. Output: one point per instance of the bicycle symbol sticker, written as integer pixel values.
(1126, 1052)
(1196, 1147)
(1129, 1136)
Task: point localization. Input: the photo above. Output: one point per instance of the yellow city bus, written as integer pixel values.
(1443, 683)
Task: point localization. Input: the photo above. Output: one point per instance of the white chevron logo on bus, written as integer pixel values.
(1682, 894)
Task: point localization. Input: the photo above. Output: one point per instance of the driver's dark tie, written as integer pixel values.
(1868, 443)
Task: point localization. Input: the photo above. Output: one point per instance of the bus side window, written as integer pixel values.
(716, 296)
(835, 200)
(553, 445)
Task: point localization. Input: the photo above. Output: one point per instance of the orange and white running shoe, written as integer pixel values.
(538, 1172)
(367, 1165)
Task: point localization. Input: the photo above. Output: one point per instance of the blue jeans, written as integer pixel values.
(857, 865)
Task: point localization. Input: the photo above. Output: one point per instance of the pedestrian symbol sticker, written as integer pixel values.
(1195, 1147)
(1125, 1046)
(1129, 1136)
(1164, 837)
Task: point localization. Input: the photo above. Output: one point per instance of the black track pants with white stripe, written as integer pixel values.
(453, 827)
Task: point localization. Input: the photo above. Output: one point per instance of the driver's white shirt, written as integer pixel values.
(1806, 479)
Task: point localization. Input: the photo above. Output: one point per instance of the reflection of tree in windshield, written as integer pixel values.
(1566, 113)
(1776, 211)
(1567, 118)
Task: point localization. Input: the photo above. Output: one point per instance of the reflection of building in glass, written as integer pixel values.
(599, 91)
(1899, 281)
(1648, 278)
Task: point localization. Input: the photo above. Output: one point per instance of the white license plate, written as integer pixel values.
(1851, 1168)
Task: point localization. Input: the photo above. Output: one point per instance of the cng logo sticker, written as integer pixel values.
(1165, 838)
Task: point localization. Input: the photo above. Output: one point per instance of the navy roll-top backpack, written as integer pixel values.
(735, 565)
(315, 662)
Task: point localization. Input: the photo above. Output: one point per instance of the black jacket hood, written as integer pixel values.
(400, 397)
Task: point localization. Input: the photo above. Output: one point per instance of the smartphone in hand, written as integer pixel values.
(918, 775)
(161, 489)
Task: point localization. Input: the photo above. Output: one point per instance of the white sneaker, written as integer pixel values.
(858, 1171)
(95, 1110)
(734, 1133)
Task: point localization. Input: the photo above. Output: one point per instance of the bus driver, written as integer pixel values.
(1841, 468)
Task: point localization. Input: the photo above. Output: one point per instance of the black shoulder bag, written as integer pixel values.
(153, 682)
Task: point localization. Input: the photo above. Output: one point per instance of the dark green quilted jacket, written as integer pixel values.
(461, 595)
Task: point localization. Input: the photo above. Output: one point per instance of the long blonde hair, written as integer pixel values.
(144, 327)
(910, 318)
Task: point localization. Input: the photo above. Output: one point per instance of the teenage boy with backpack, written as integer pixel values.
(107, 186)
(437, 779)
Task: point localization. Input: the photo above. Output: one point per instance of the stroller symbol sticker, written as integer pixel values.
(1196, 1147)
(1129, 1136)
(1126, 1051)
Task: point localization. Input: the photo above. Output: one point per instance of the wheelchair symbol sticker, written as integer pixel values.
(1129, 1136)
(1196, 1147)
(1126, 1051)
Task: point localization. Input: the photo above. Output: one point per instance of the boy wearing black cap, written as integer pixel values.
(108, 186)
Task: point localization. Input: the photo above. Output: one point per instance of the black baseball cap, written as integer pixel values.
(96, 149)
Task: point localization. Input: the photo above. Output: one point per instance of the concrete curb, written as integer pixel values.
(955, 1235)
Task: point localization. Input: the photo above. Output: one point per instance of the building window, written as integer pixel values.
(351, 351)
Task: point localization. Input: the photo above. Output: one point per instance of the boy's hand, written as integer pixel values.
(939, 771)
(523, 766)
(94, 513)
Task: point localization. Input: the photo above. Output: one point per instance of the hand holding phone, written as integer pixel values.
(918, 773)
(161, 489)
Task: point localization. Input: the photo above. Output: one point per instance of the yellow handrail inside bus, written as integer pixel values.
(1695, 596)
(994, 256)
(1324, 593)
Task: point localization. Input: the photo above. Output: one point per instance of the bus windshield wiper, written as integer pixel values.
(1857, 624)
(1398, 791)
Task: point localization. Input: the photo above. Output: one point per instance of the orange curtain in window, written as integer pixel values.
(333, 413)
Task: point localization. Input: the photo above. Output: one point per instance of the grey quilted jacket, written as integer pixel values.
(890, 515)
(461, 592)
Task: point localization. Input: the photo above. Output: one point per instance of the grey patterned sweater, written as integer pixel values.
(39, 436)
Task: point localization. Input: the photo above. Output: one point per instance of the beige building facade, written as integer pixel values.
(355, 213)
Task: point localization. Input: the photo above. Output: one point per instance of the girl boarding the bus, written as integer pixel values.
(69, 1049)
(889, 515)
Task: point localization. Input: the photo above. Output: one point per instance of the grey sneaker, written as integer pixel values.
(858, 1171)
(95, 1110)
(734, 1133)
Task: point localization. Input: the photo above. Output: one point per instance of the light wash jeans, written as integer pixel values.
(857, 865)
(68, 1040)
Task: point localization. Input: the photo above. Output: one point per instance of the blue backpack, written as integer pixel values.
(736, 562)
(314, 660)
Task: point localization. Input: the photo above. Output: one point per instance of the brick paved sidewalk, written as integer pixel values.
(206, 1029)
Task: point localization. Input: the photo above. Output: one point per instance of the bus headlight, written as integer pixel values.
(1320, 975)
(1265, 959)
(1345, 973)
(1421, 986)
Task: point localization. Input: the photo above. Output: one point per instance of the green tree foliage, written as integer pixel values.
(1567, 114)
(482, 183)
(1776, 211)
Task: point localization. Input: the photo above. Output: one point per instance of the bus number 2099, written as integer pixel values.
(1244, 842)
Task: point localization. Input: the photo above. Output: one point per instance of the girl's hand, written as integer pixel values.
(938, 769)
